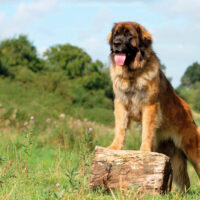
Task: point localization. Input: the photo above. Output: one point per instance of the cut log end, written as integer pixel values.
(113, 169)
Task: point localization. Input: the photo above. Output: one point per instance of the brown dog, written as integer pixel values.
(142, 93)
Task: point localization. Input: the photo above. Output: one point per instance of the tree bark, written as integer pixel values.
(113, 169)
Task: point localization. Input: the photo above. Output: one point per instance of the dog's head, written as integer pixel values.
(130, 44)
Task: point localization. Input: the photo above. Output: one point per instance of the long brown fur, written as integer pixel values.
(142, 93)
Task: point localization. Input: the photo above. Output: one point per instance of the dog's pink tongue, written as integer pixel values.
(120, 59)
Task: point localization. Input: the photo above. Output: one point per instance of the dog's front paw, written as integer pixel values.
(145, 148)
(114, 147)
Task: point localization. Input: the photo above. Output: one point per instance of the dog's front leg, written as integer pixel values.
(150, 120)
(121, 123)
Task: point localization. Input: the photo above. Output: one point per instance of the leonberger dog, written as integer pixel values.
(143, 94)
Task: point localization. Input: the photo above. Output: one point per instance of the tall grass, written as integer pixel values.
(49, 157)
(55, 163)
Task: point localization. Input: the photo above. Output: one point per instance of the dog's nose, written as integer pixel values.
(117, 43)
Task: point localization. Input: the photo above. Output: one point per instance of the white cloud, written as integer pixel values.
(177, 58)
(8, 1)
(177, 47)
(2, 16)
(102, 18)
(174, 33)
(94, 39)
(27, 12)
(176, 39)
(109, 1)
(25, 15)
(188, 8)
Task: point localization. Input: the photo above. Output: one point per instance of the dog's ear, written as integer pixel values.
(109, 37)
(144, 36)
(145, 40)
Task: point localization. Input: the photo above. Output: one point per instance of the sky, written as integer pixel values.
(174, 25)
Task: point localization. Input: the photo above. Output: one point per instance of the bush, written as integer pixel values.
(3, 69)
(94, 81)
(60, 56)
(191, 75)
(24, 75)
(191, 95)
(18, 52)
(73, 60)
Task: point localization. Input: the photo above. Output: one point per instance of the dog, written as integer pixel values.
(143, 94)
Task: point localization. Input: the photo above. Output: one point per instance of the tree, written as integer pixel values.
(191, 75)
(69, 58)
(19, 52)
(189, 89)
(76, 63)
(3, 70)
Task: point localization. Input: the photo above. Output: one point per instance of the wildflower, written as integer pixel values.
(57, 184)
(32, 118)
(62, 116)
(90, 129)
(25, 124)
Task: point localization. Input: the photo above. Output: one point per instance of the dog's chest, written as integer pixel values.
(133, 97)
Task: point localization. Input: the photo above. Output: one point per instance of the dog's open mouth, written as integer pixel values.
(120, 59)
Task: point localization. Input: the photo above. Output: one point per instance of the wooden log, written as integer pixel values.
(113, 169)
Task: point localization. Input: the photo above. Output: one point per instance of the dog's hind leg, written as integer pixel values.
(191, 147)
(178, 162)
(179, 167)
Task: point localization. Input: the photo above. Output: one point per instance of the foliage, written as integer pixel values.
(191, 95)
(3, 69)
(191, 75)
(108, 90)
(17, 53)
(59, 56)
(73, 60)
(68, 75)
(49, 95)
(189, 88)
(76, 63)
(93, 81)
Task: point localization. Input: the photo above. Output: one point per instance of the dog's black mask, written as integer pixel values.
(127, 43)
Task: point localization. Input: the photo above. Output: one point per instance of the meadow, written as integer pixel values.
(54, 110)
(46, 147)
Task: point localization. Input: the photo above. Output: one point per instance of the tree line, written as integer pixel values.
(19, 61)
(65, 69)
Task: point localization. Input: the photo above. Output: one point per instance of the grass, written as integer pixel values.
(47, 166)
(39, 167)
(28, 99)
(50, 157)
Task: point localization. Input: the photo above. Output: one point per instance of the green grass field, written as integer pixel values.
(49, 157)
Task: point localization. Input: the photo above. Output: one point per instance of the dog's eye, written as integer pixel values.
(116, 33)
(127, 33)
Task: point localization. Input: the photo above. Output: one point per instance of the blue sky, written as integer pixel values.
(174, 25)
